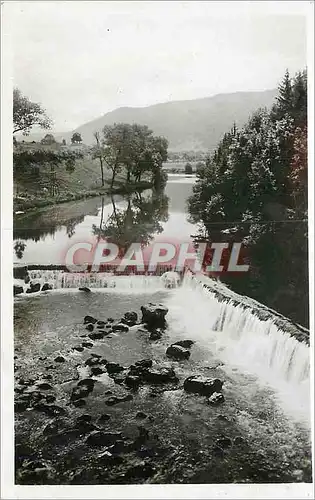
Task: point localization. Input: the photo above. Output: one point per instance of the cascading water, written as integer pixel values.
(240, 339)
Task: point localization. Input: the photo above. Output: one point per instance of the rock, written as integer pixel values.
(114, 400)
(114, 368)
(59, 359)
(144, 363)
(141, 415)
(83, 389)
(110, 320)
(44, 386)
(87, 344)
(97, 370)
(118, 378)
(202, 385)
(51, 410)
(132, 381)
(159, 375)
(153, 315)
(17, 290)
(84, 289)
(78, 348)
(46, 286)
(50, 398)
(101, 324)
(96, 335)
(130, 318)
(156, 334)
(184, 343)
(20, 405)
(87, 382)
(143, 471)
(34, 287)
(216, 398)
(90, 327)
(104, 418)
(224, 442)
(79, 403)
(89, 319)
(101, 438)
(239, 441)
(84, 418)
(177, 352)
(120, 327)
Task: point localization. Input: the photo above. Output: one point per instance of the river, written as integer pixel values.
(265, 371)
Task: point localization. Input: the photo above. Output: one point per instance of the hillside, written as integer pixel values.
(188, 125)
(197, 124)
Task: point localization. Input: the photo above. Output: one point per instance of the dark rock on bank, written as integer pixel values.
(100, 438)
(84, 289)
(89, 319)
(130, 318)
(202, 385)
(156, 334)
(114, 368)
(114, 400)
(177, 352)
(90, 327)
(60, 359)
(120, 327)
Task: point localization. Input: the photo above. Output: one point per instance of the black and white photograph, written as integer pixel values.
(157, 265)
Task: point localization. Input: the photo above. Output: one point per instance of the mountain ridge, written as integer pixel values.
(194, 124)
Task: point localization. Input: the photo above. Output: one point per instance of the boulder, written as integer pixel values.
(78, 348)
(87, 344)
(153, 315)
(46, 286)
(130, 318)
(84, 289)
(17, 290)
(202, 385)
(184, 343)
(120, 327)
(101, 438)
(156, 334)
(79, 403)
(96, 335)
(83, 389)
(132, 381)
(104, 418)
(89, 319)
(97, 370)
(159, 375)
(177, 352)
(34, 287)
(216, 398)
(114, 400)
(60, 359)
(144, 363)
(90, 327)
(114, 368)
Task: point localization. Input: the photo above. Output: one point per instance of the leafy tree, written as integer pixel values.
(27, 114)
(76, 138)
(255, 185)
(134, 150)
(188, 169)
(48, 139)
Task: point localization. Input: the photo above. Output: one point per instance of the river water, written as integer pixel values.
(266, 370)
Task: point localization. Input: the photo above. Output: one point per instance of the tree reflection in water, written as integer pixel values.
(139, 222)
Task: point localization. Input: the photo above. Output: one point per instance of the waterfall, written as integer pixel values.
(237, 336)
(100, 281)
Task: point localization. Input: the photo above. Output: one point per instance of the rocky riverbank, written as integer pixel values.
(102, 413)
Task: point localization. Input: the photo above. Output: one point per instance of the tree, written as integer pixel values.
(76, 138)
(98, 153)
(188, 169)
(134, 149)
(48, 139)
(27, 114)
(64, 143)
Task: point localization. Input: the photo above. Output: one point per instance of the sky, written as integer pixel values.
(81, 60)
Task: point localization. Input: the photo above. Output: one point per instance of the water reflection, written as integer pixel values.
(139, 221)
